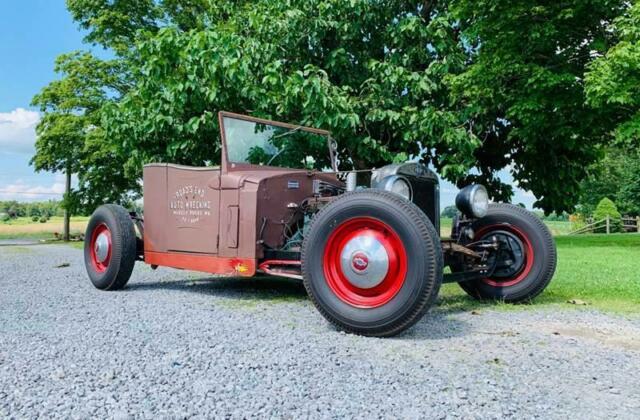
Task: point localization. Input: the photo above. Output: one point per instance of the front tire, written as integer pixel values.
(372, 263)
(110, 247)
(532, 254)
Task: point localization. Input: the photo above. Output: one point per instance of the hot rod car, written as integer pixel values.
(370, 256)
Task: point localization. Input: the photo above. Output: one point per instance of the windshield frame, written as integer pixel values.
(237, 166)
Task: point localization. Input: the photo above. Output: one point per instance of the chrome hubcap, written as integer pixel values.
(364, 261)
(101, 247)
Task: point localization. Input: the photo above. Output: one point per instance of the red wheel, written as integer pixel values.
(110, 247)
(372, 262)
(365, 262)
(515, 261)
(100, 251)
(525, 261)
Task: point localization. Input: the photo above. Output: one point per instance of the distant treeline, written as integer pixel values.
(13, 209)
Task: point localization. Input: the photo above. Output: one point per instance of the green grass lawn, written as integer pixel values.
(601, 270)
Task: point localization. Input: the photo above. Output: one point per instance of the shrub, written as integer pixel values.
(606, 208)
(44, 219)
(449, 212)
(35, 218)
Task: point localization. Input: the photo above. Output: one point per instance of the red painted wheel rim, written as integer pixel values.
(528, 255)
(99, 265)
(365, 228)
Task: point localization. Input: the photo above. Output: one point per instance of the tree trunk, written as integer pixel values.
(67, 213)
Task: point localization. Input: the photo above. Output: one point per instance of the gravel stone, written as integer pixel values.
(177, 344)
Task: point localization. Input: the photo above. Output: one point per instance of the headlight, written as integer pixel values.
(473, 201)
(396, 184)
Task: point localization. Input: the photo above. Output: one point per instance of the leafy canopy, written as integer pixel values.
(614, 79)
(371, 72)
(524, 92)
(616, 176)
(470, 87)
(70, 136)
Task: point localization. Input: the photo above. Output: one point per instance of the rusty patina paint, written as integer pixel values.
(211, 218)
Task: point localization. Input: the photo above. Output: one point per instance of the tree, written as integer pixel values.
(607, 209)
(69, 136)
(616, 175)
(34, 211)
(307, 61)
(449, 212)
(613, 80)
(524, 93)
(486, 85)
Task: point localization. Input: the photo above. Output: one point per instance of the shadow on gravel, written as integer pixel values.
(437, 324)
(264, 288)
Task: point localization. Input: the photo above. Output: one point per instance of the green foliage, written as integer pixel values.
(34, 211)
(555, 217)
(613, 81)
(43, 219)
(607, 208)
(114, 23)
(302, 61)
(449, 212)
(463, 85)
(35, 218)
(616, 175)
(524, 91)
(69, 136)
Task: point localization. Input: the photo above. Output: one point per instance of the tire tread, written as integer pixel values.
(426, 230)
(550, 264)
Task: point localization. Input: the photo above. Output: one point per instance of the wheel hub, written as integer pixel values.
(510, 257)
(364, 261)
(101, 247)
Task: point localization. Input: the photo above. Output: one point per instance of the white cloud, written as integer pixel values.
(18, 131)
(22, 191)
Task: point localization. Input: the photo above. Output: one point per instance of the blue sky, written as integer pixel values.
(33, 34)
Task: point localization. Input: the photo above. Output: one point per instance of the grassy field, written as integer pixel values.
(24, 227)
(598, 270)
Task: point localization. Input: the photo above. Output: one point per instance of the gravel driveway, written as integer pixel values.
(178, 344)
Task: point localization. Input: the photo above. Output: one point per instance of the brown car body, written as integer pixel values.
(219, 219)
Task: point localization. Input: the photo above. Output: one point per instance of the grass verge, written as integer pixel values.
(599, 270)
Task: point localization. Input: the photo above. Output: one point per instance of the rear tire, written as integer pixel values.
(536, 262)
(372, 263)
(110, 247)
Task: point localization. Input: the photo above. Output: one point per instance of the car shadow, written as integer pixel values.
(439, 323)
(260, 287)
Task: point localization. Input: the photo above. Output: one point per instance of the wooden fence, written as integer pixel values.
(629, 224)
